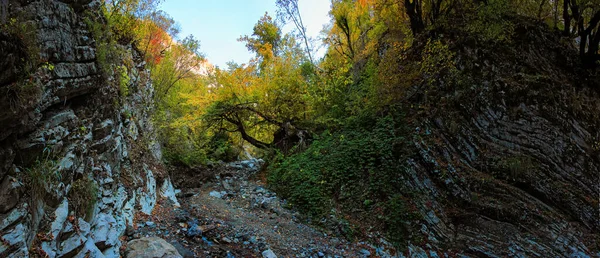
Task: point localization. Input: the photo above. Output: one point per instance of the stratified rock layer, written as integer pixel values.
(508, 162)
(77, 159)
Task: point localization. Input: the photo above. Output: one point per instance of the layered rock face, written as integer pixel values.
(77, 159)
(511, 165)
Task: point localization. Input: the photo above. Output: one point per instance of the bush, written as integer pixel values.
(489, 22)
(123, 80)
(182, 147)
(83, 197)
(359, 167)
(517, 168)
(42, 177)
(222, 148)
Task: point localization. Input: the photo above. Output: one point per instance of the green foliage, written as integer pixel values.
(490, 22)
(124, 80)
(221, 147)
(83, 196)
(265, 41)
(20, 39)
(437, 63)
(48, 66)
(398, 211)
(107, 51)
(183, 147)
(42, 176)
(24, 32)
(359, 167)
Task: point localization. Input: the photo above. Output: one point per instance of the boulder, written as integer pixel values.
(151, 247)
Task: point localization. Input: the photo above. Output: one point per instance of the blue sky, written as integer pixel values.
(219, 23)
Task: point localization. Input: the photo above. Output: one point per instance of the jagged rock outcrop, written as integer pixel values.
(510, 165)
(78, 160)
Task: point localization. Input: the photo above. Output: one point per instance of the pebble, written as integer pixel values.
(218, 194)
(150, 224)
(269, 254)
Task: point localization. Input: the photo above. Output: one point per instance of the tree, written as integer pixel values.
(288, 10)
(265, 39)
(3, 11)
(585, 15)
(123, 16)
(264, 108)
(423, 13)
(264, 101)
(154, 35)
(182, 60)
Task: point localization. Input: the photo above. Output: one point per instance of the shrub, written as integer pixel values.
(83, 197)
(21, 59)
(23, 34)
(42, 177)
(490, 24)
(437, 63)
(123, 80)
(516, 168)
(359, 167)
(181, 147)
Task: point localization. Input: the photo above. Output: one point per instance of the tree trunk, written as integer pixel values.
(415, 15)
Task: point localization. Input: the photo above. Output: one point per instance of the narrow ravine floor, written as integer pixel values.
(227, 212)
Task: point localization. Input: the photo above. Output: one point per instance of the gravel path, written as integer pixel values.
(231, 214)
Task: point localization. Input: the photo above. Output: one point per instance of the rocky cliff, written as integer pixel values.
(508, 164)
(78, 157)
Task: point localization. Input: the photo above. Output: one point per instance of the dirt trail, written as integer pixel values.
(226, 212)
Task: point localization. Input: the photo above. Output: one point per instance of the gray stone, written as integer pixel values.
(67, 162)
(74, 70)
(268, 254)
(151, 247)
(14, 216)
(104, 231)
(217, 194)
(7, 156)
(168, 191)
(60, 215)
(128, 210)
(147, 198)
(186, 253)
(90, 250)
(15, 239)
(104, 129)
(84, 227)
(72, 245)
